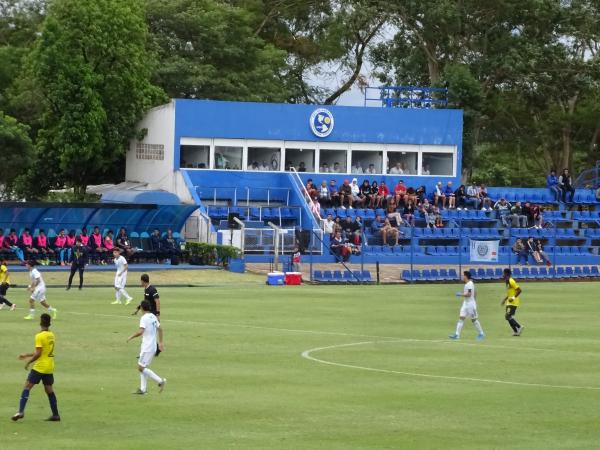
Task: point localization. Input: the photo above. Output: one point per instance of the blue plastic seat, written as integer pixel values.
(327, 276)
(543, 272)
(516, 272)
(586, 271)
(534, 273)
(444, 274)
(435, 275)
(317, 275)
(426, 275)
(481, 274)
(578, 272)
(560, 272)
(366, 275)
(337, 275)
(525, 273)
(406, 275)
(594, 271)
(452, 274)
(489, 274)
(498, 273)
(348, 278)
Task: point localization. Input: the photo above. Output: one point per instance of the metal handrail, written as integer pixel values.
(307, 198)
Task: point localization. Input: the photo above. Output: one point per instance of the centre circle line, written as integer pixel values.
(307, 354)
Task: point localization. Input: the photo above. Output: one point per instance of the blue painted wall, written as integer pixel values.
(277, 121)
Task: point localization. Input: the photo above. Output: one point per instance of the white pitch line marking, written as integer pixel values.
(307, 355)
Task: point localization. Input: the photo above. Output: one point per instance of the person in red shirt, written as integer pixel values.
(346, 194)
(399, 192)
(296, 260)
(382, 194)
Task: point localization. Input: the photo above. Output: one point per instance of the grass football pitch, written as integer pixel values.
(311, 367)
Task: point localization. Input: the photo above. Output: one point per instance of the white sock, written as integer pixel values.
(459, 326)
(143, 382)
(478, 326)
(50, 309)
(32, 312)
(118, 295)
(152, 375)
(125, 294)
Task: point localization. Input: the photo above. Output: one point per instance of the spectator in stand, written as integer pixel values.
(411, 196)
(357, 168)
(439, 194)
(253, 166)
(334, 194)
(526, 211)
(473, 196)
(486, 201)
(389, 231)
(397, 169)
(365, 194)
(374, 193)
(382, 194)
(427, 211)
(336, 168)
(41, 243)
(536, 218)
(450, 197)
(302, 167)
(425, 170)
(338, 248)
(324, 195)
(405, 169)
(99, 252)
(358, 232)
(312, 191)
(399, 192)
(542, 253)
(392, 212)
(156, 245)
(532, 250)
(337, 226)
(26, 245)
(376, 225)
(598, 193)
(371, 169)
(70, 245)
(349, 226)
(324, 168)
(315, 207)
(420, 193)
(85, 238)
(124, 244)
(566, 185)
(356, 198)
(552, 184)
(60, 247)
(409, 213)
(517, 216)
(438, 221)
(328, 225)
(520, 250)
(170, 245)
(503, 208)
(461, 197)
(346, 194)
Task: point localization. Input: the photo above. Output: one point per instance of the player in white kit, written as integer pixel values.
(120, 278)
(149, 330)
(38, 292)
(468, 308)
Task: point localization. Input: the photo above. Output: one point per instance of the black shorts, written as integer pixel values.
(35, 377)
(3, 288)
(511, 310)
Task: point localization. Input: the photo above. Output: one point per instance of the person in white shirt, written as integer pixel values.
(328, 224)
(397, 169)
(468, 308)
(357, 168)
(356, 192)
(371, 170)
(120, 278)
(425, 170)
(150, 330)
(324, 168)
(336, 168)
(38, 292)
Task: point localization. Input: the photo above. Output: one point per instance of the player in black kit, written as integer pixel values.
(80, 260)
(151, 295)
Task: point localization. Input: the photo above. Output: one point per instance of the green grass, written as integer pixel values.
(237, 379)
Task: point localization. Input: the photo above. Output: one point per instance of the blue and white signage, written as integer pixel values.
(321, 122)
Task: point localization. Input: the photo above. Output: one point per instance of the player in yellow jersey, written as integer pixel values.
(43, 369)
(512, 301)
(4, 285)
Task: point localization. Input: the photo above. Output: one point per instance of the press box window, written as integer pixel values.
(333, 161)
(437, 163)
(195, 156)
(264, 159)
(228, 158)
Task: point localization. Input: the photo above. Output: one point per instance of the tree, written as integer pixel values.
(92, 67)
(17, 150)
(209, 49)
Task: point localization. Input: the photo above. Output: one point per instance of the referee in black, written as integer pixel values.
(151, 296)
(80, 260)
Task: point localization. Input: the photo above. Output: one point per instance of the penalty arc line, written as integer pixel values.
(307, 355)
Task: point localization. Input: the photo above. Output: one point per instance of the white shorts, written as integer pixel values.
(39, 294)
(120, 281)
(468, 310)
(145, 359)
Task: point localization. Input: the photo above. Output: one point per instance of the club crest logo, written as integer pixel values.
(483, 250)
(321, 122)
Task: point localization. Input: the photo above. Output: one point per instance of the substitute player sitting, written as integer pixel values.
(43, 369)
(512, 302)
(468, 308)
